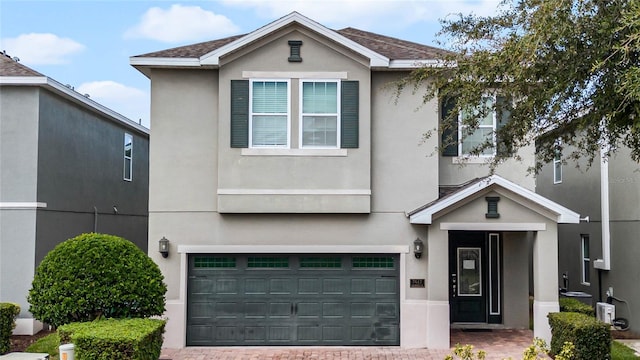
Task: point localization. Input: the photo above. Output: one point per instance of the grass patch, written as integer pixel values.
(620, 351)
(48, 344)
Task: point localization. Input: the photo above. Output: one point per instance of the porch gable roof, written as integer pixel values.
(425, 214)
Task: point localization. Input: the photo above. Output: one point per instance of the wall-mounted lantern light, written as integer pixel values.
(164, 247)
(418, 248)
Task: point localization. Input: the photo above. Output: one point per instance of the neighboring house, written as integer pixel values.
(68, 165)
(602, 253)
(291, 184)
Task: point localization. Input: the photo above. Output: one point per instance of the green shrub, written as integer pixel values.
(592, 338)
(47, 344)
(575, 305)
(115, 339)
(8, 313)
(93, 276)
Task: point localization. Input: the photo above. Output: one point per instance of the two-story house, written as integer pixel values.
(600, 254)
(68, 165)
(303, 206)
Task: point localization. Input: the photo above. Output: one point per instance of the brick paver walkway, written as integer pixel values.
(499, 344)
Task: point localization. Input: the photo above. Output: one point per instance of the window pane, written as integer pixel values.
(469, 272)
(487, 120)
(270, 97)
(320, 131)
(269, 130)
(473, 140)
(127, 169)
(320, 97)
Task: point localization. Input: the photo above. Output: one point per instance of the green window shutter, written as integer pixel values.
(449, 129)
(349, 115)
(503, 148)
(239, 113)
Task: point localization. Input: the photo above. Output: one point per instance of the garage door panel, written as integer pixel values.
(256, 310)
(293, 300)
(281, 286)
(309, 286)
(255, 286)
(334, 286)
(309, 310)
(386, 286)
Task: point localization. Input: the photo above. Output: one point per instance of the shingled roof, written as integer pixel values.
(392, 48)
(10, 67)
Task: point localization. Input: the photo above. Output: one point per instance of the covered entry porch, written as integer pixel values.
(486, 240)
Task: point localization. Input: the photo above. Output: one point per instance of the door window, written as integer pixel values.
(469, 272)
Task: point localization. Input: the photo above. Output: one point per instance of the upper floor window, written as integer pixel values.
(460, 139)
(128, 157)
(557, 164)
(586, 260)
(269, 126)
(327, 117)
(320, 114)
(484, 133)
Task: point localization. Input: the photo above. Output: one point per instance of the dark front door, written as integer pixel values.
(468, 276)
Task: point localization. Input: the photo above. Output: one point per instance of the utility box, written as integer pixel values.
(605, 312)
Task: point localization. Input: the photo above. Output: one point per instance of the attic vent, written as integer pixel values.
(295, 50)
(492, 207)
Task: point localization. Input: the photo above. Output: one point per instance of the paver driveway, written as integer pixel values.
(499, 344)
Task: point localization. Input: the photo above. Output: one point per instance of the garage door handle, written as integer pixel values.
(294, 309)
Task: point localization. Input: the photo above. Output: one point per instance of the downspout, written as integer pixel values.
(95, 219)
(605, 262)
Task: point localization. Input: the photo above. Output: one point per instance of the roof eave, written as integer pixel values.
(563, 214)
(72, 95)
(213, 58)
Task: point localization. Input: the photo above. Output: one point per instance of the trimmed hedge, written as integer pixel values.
(575, 305)
(115, 339)
(95, 276)
(8, 313)
(592, 338)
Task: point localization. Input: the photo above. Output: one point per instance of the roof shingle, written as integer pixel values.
(392, 48)
(10, 67)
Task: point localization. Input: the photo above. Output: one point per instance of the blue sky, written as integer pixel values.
(87, 44)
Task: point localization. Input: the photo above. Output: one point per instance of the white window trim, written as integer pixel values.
(301, 114)
(130, 158)
(461, 127)
(251, 113)
(557, 160)
(585, 263)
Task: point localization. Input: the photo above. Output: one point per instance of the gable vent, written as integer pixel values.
(294, 45)
(492, 207)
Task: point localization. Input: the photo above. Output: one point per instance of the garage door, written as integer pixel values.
(293, 300)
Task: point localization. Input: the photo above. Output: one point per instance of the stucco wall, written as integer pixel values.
(80, 171)
(18, 183)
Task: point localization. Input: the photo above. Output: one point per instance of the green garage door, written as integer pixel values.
(293, 300)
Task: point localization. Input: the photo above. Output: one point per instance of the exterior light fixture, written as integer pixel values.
(418, 248)
(164, 247)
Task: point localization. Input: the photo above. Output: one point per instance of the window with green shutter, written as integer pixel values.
(261, 114)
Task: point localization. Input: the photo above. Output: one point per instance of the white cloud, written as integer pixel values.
(125, 100)
(367, 14)
(180, 24)
(41, 48)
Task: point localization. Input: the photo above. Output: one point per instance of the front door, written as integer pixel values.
(468, 276)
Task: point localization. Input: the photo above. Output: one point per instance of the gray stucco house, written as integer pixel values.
(600, 254)
(68, 165)
(297, 194)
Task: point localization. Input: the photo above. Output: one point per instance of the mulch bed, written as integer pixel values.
(19, 343)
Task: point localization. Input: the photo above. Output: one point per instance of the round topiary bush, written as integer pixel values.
(96, 275)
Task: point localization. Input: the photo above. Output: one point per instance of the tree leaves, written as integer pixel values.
(570, 68)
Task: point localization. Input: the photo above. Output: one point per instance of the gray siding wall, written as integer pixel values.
(81, 162)
(580, 191)
(18, 183)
